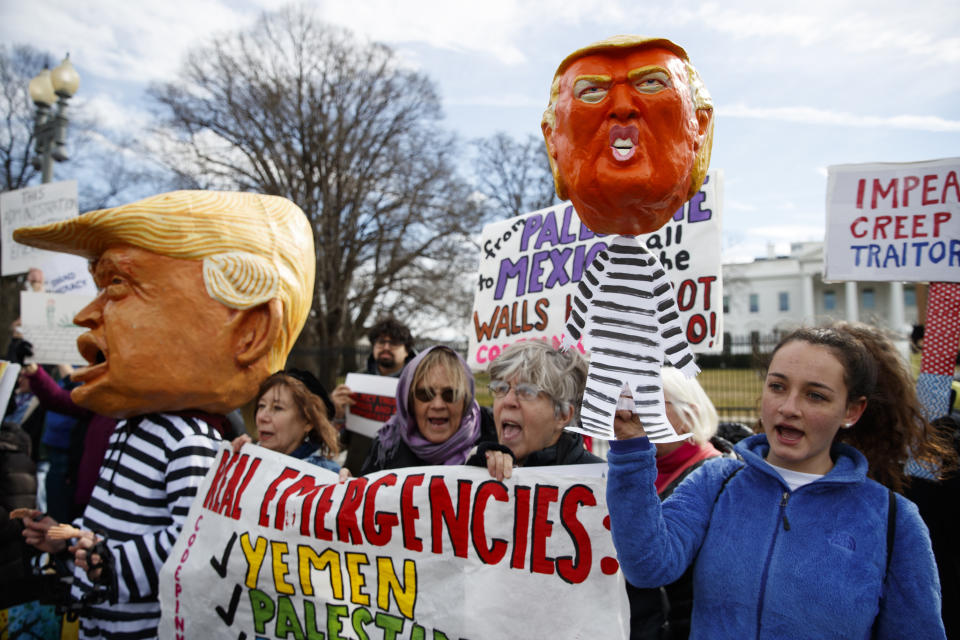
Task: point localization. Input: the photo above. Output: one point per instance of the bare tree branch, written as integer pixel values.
(297, 108)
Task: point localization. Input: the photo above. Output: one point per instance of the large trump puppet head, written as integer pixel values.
(201, 295)
(628, 132)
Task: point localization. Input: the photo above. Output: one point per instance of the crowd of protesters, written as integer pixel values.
(839, 420)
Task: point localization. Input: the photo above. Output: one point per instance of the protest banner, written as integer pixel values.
(44, 203)
(375, 401)
(893, 222)
(276, 548)
(530, 265)
(47, 322)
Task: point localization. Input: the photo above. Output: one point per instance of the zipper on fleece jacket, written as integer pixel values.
(766, 565)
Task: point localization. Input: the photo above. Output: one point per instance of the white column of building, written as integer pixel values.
(809, 315)
(897, 320)
(897, 315)
(851, 302)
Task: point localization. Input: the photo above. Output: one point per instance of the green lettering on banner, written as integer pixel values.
(359, 618)
(310, 621)
(417, 633)
(334, 622)
(287, 621)
(391, 625)
(263, 609)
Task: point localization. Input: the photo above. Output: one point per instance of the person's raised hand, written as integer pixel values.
(341, 398)
(626, 425)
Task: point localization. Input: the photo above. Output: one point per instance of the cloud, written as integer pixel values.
(922, 31)
(812, 115)
(509, 100)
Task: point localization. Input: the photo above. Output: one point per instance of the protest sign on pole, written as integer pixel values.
(276, 548)
(47, 322)
(893, 222)
(375, 401)
(530, 265)
(51, 202)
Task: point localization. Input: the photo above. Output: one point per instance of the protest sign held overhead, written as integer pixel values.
(894, 222)
(275, 548)
(531, 265)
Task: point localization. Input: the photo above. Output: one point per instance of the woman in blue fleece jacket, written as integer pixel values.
(792, 541)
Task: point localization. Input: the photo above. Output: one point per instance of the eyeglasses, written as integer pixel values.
(525, 391)
(387, 342)
(427, 394)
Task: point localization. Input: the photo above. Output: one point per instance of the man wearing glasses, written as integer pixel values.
(391, 348)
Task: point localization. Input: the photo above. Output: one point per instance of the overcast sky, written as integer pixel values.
(796, 89)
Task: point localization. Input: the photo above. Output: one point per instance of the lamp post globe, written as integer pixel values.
(50, 128)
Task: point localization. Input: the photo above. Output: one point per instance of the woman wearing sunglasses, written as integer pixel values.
(536, 393)
(438, 420)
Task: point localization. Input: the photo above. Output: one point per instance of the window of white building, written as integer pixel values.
(784, 297)
(829, 300)
(754, 303)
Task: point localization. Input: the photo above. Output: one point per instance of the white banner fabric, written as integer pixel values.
(277, 548)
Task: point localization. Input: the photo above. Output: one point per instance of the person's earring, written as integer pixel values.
(846, 425)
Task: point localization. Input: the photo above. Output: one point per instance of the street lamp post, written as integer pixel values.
(50, 129)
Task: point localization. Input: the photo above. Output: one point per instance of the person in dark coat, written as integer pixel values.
(391, 348)
(18, 490)
(438, 420)
(536, 394)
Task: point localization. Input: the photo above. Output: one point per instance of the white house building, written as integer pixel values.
(773, 295)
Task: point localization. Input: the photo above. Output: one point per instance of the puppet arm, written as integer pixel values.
(676, 350)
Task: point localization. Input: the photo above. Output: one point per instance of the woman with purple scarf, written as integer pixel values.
(438, 420)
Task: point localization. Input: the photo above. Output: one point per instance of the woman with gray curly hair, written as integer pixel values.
(536, 393)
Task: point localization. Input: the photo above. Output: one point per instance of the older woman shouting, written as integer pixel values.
(438, 420)
(536, 394)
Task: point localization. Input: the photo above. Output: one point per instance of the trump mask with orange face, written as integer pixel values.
(628, 132)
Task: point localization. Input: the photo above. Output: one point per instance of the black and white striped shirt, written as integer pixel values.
(149, 477)
(625, 313)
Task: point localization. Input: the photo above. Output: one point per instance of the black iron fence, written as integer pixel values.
(732, 378)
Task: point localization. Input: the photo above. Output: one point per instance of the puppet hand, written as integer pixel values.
(568, 342)
(626, 425)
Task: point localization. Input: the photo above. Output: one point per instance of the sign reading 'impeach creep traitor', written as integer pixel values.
(531, 264)
(894, 222)
(277, 548)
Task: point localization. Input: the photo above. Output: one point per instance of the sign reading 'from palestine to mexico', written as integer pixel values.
(530, 266)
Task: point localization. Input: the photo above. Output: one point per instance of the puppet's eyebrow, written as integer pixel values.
(636, 74)
(594, 79)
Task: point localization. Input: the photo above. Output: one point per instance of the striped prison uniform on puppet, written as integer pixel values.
(149, 477)
(625, 313)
